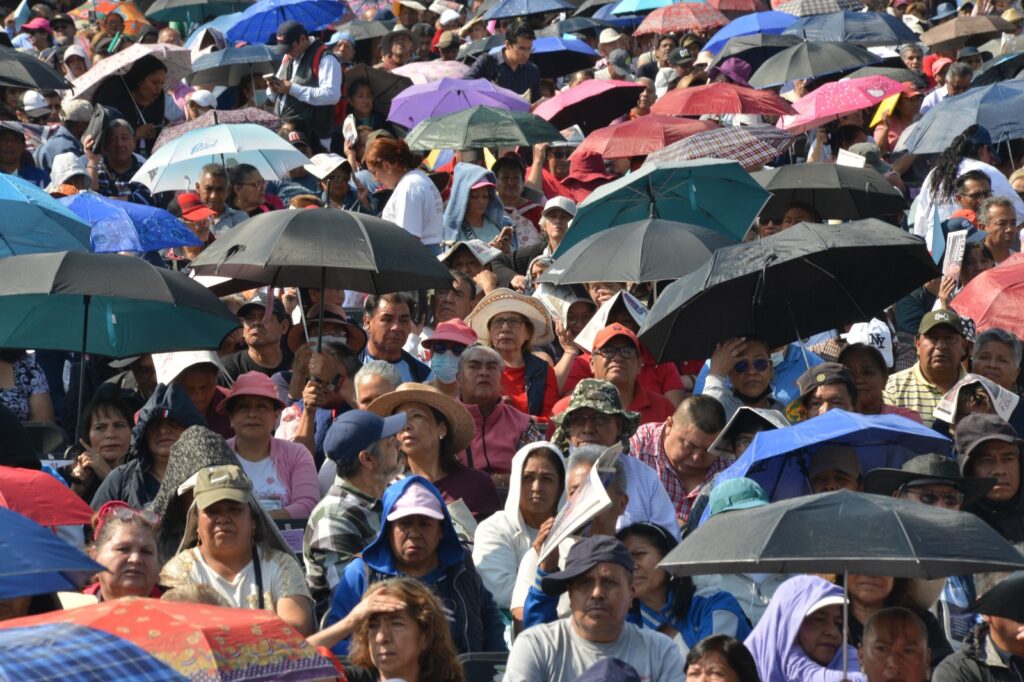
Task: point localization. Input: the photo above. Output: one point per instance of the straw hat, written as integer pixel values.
(507, 301)
(460, 422)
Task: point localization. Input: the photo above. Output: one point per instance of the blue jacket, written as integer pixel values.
(60, 142)
(472, 614)
(699, 621)
(466, 175)
(784, 375)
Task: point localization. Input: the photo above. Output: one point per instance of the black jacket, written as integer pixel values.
(979, 661)
(1006, 517)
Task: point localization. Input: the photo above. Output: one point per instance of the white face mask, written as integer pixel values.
(778, 358)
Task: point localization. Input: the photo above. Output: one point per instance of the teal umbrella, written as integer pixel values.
(35, 222)
(711, 193)
(482, 126)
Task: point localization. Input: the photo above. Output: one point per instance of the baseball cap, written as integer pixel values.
(37, 24)
(563, 203)
(322, 165)
(76, 110)
(937, 318)
(34, 104)
(939, 64)
(482, 183)
(680, 57)
(356, 430)
(448, 16)
(620, 62)
(833, 456)
(203, 98)
(193, 208)
(735, 494)
(288, 32)
(876, 334)
(613, 330)
(822, 375)
(585, 555)
(609, 35)
(224, 482)
(416, 500)
(339, 36)
(832, 600)
(448, 39)
(260, 301)
(978, 428)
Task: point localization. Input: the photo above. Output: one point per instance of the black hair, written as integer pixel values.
(809, 208)
(102, 404)
(732, 650)
(871, 352)
(547, 453)
(373, 302)
(704, 412)
(947, 168)
(141, 68)
(680, 589)
(510, 160)
(976, 175)
(519, 29)
(355, 85)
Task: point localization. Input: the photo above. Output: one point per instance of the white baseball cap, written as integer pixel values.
(876, 334)
(416, 501)
(563, 203)
(203, 98)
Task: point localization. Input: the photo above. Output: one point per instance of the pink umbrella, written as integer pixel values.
(592, 104)
(681, 17)
(836, 99)
(426, 72)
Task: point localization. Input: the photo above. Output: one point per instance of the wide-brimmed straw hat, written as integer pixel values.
(460, 421)
(507, 301)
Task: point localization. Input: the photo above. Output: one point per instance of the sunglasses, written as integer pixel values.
(760, 365)
(455, 349)
(624, 352)
(117, 509)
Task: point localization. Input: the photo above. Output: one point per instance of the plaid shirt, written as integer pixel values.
(646, 446)
(120, 185)
(340, 526)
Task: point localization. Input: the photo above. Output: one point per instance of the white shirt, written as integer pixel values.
(266, 484)
(416, 206)
(327, 91)
(933, 98)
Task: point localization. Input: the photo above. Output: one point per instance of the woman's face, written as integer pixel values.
(975, 262)
(509, 332)
(422, 433)
(415, 539)
(110, 435)
(908, 107)
(478, 200)
(578, 315)
(540, 487)
(751, 374)
(226, 527)
(868, 377)
(396, 642)
(711, 667)
(384, 173)
(647, 577)
(151, 88)
(131, 560)
(821, 634)
(869, 590)
(161, 435)
(75, 66)
(994, 361)
(253, 417)
(113, 24)
(362, 101)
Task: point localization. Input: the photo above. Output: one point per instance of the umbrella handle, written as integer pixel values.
(846, 620)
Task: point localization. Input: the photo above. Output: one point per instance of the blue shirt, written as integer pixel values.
(493, 67)
(784, 375)
(62, 141)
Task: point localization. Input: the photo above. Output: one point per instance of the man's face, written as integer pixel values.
(213, 191)
(686, 447)
(145, 374)
(831, 480)
(388, 328)
(665, 46)
(1008, 634)
(169, 36)
(558, 161)
(480, 377)
(12, 146)
(401, 49)
(975, 191)
(794, 215)
(259, 333)
(407, 16)
(588, 426)
(64, 32)
(1001, 461)
(1002, 227)
(518, 53)
(895, 650)
(956, 85)
(913, 58)
(940, 349)
(369, 388)
(600, 600)
(453, 303)
(463, 260)
(934, 495)
(200, 383)
(828, 397)
(345, 51)
(617, 361)
(119, 145)
(449, 53)
(298, 47)
(974, 61)
(249, 190)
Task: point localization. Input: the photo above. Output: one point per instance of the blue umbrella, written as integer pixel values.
(778, 459)
(35, 222)
(124, 226)
(639, 6)
(624, 21)
(995, 107)
(76, 653)
(556, 56)
(859, 28)
(506, 9)
(259, 23)
(768, 23)
(38, 562)
(230, 65)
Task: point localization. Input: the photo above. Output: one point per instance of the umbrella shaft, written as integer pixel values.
(81, 366)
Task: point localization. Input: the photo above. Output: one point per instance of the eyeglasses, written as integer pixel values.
(123, 512)
(760, 365)
(510, 322)
(597, 419)
(455, 349)
(953, 500)
(609, 352)
(981, 194)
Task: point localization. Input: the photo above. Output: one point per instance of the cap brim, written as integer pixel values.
(833, 600)
(558, 582)
(209, 498)
(393, 424)
(415, 511)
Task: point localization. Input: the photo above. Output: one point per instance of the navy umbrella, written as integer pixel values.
(38, 562)
(995, 107)
(859, 28)
(230, 65)
(507, 9)
(1000, 69)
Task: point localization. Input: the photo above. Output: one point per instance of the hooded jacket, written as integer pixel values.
(455, 228)
(132, 481)
(773, 643)
(1006, 517)
(586, 173)
(979, 661)
(474, 619)
(497, 437)
(503, 539)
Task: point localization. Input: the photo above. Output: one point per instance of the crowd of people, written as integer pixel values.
(430, 443)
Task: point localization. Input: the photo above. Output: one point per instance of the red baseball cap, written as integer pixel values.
(613, 330)
(452, 331)
(193, 208)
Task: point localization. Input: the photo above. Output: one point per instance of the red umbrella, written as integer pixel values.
(736, 8)
(592, 104)
(838, 98)
(641, 136)
(995, 298)
(42, 498)
(721, 98)
(680, 17)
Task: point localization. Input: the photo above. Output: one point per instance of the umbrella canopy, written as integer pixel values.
(78, 653)
(639, 6)
(836, 192)
(898, 74)
(573, 25)
(178, 61)
(221, 24)
(449, 96)
(641, 136)
(591, 105)
(368, 30)
(841, 532)
(35, 222)
(20, 70)
(681, 17)
(763, 23)
(1000, 69)
(836, 99)
(857, 27)
(735, 8)
(38, 562)
(619, 21)
(774, 287)
(230, 65)
(203, 642)
(752, 146)
(809, 59)
(721, 98)
(217, 117)
(960, 31)
(178, 163)
(556, 57)
(995, 298)
(507, 9)
(651, 250)
(482, 127)
(779, 460)
(755, 49)
(384, 86)
(804, 8)
(469, 52)
(323, 247)
(718, 195)
(258, 23)
(42, 498)
(589, 7)
(995, 107)
(427, 72)
(124, 226)
(86, 16)
(193, 11)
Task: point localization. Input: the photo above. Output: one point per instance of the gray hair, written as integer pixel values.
(1002, 336)
(960, 70)
(215, 170)
(986, 207)
(587, 455)
(121, 123)
(382, 368)
(910, 47)
(480, 348)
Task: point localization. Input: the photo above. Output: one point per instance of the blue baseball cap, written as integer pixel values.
(340, 36)
(356, 430)
(736, 494)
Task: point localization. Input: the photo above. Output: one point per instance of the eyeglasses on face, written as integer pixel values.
(759, 365)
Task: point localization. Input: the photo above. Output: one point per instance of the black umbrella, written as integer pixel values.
(897, 73)
(20, 70)
(650, 250)
(836, 192)
(1005, 600)
(859, 28)
(588, 7)
(575, 24)
(230, 65)
(801, 281)
(368, 30)
(470, 52)
(383, 84)
(755, 49)
(1001, 69)
(809, 59)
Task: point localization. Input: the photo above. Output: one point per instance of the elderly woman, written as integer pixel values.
(536, 492)
(510, 175)
(415, 204)
(418, 539)
(870, 372)
(511, 324)
(437, 428)
(23, 387)
(125, 543)
(741, 374)
(283, 472)
(139, 96)
(997, 355)
(474, 210)
(232, 546)
(107, 437)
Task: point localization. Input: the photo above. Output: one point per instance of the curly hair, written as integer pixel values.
(437, 660)
(947, 168)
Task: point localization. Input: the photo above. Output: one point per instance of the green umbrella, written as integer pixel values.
(482, 127)
(711, 193)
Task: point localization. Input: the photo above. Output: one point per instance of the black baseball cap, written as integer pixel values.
(260, 301)
(584, 555)
(822, 375)
(680, 57)
(978, 428)
(288, 33)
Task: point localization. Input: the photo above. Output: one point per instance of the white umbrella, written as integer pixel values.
(177, 164)
(178, 61)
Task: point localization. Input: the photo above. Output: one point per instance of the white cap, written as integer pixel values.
(322, 165)
(564, 203)
(485, 253)
(412, 4)
(416, 500)
(76, 50)
(448, 16)
(833, 600)
(34, 103)
(203, 98)
(876, 334)
(76, 110)
(66, 166)
(704, 58)
(169, 365)
(609, 35)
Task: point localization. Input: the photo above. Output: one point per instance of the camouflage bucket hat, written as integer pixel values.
(600, 396)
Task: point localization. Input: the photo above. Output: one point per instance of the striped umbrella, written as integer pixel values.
(805, 8)
(752, 146)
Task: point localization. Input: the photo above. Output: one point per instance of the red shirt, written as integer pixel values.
(513, 382)
(653, 408)
(657, 378)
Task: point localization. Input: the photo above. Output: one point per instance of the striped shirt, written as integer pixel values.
(910, 389)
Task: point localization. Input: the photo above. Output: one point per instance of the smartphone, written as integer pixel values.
(270, 77)
(506, 233)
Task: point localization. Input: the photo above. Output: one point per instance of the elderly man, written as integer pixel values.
(958, 80)
(308, 83)
(365, 452)
(895, 647)
(598, 577)
(990, 448)
(998, 219)
(262, 335)
(501, 429)
(941, 348)
(595, 416)
(374, 379)
(828, 386)
(387, 320)
(912, 56)
(397, 48)
(213, 187)
(677, 449)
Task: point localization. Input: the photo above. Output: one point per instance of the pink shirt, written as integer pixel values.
(297, 471)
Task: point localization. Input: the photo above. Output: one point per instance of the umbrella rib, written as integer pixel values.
(906, 536)
(841, 286)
